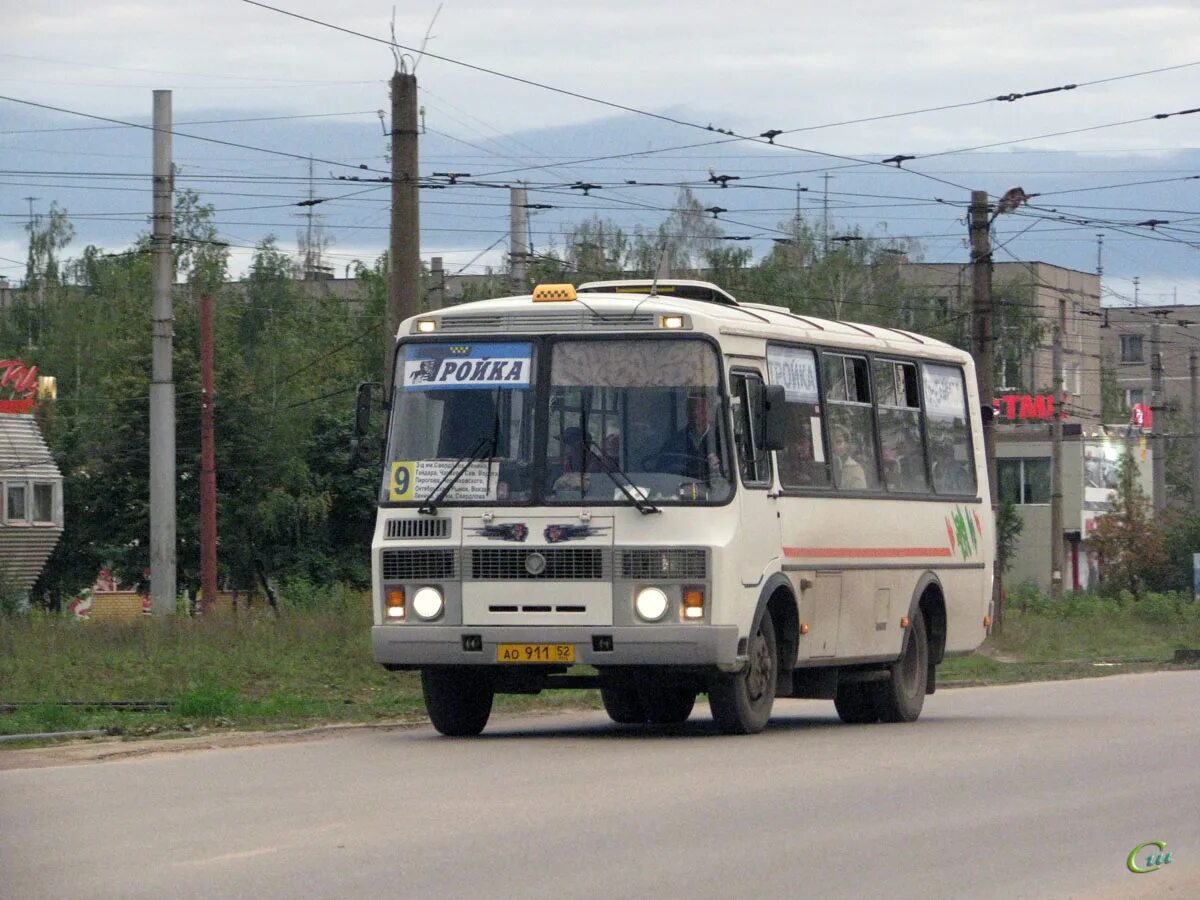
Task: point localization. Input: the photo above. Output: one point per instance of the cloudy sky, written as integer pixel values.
(746, 67)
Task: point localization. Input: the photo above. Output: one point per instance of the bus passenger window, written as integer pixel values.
(851, 423)
(947, 426)
(803, 462)
(897, 393)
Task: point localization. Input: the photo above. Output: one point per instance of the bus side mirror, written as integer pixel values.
(987, 413)
(774, 417)
(362, 411)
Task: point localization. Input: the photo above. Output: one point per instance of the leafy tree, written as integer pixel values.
(1128, 540)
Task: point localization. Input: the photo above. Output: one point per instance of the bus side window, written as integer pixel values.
(900, 437)
(803, 462)
(947, 426)
(851, 422)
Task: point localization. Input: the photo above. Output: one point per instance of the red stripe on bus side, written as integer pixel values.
(864, 552)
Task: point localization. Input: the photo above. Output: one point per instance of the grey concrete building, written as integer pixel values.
(1126, 344)
(1027, 367)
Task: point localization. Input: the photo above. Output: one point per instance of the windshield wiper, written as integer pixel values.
(483, 447)
(644, 506)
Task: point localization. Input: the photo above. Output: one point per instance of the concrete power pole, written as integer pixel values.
(437, 291)
(1158, 409)
(404, 296)
(162, 385)
(1194, 372)
(1056, 452)
(982, 345)
(208, 462)
(518, 240)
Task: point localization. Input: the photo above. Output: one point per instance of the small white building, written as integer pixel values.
(31, 502)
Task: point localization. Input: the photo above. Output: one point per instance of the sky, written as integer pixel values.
(665, 72)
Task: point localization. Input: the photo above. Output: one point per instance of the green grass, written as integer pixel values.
(313, 665)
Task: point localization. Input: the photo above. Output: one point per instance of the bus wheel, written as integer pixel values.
(668, 706)
(901, 697)
(741, 703)
(458, 698)
(623, 705)
(856, 704)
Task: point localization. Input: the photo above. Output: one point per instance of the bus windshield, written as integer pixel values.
(629, 420)
(648, 410)
(455, 401)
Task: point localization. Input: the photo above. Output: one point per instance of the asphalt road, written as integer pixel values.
(1038, 790)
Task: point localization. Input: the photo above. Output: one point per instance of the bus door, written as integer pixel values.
(757, 540)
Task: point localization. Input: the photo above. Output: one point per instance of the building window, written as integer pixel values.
(1134, 396)
(1131, 348)
(15, 503)
(43, 503)
(1023, 481)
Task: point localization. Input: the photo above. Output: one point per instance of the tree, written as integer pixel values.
(1128, 540)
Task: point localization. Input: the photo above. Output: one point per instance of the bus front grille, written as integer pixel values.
(418, 565)
(666, 563)
(555, 564)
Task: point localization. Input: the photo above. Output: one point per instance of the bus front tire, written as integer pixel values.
(901, 697)
(458, 699)
(741, 703)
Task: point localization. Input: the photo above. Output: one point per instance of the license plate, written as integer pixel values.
(535, 653)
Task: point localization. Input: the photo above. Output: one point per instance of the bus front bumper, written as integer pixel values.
(463, 645)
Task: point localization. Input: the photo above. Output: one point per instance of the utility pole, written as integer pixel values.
(982, 345)
(437, 293)
(1158, 408)
(1056, 452)
(208, 462)
(1195, 379)
(162, 385)
(518, 240)
(825, 216)
(404, 296)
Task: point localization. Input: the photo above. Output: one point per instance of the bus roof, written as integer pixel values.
(607, 309)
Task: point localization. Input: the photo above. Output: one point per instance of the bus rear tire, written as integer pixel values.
(901, 697)
(856, 704)
(458, 699)
(741, 703)
(623, 705)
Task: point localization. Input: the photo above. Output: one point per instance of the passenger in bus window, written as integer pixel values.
(848, 472)
(798, 466)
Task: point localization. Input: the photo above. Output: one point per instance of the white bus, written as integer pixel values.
(685, 493)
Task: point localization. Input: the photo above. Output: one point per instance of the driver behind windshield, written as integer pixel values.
(692, 450)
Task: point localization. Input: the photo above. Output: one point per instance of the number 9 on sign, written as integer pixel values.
(401, 486)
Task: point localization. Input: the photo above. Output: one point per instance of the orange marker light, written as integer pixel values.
(693, 603)
(904, 621)
(395, 603)
(804, 628)
(987, 621)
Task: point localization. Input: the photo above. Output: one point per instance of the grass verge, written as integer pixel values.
(314, 666)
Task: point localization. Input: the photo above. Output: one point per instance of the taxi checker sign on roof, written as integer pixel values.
(434, 367)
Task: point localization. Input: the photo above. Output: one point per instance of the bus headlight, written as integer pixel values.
(427, 602)
(651, 603)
